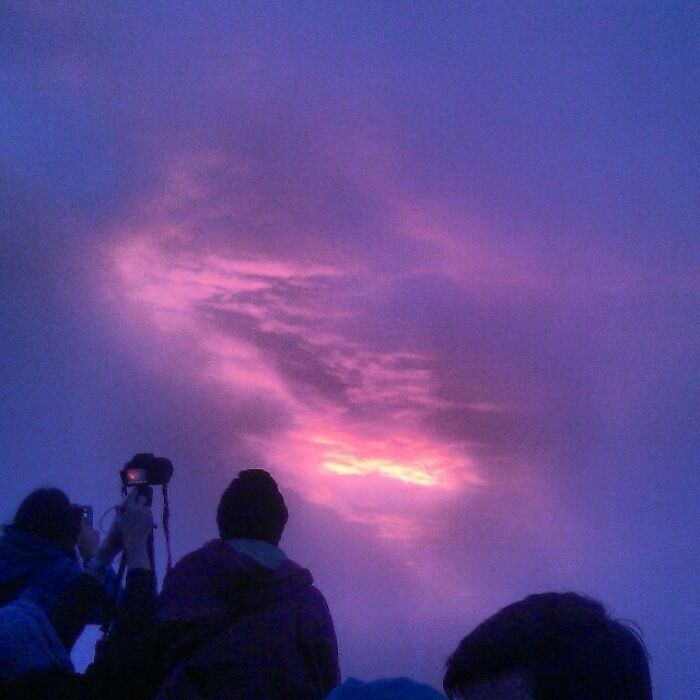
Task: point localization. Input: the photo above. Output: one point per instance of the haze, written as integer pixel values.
(434, 265)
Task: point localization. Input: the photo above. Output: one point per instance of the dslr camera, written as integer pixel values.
(145, 469)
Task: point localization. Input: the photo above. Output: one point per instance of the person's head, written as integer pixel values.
(252, 508)
(551, 646)
(47, 513)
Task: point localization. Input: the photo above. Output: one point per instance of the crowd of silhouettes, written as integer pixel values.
(239, 620)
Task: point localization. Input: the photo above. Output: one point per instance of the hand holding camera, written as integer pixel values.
(132, 527)
(130, 531)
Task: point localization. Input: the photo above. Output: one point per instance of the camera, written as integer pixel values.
(141, 473)
(145, 469)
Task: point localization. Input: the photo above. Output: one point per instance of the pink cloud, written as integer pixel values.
(272, 325)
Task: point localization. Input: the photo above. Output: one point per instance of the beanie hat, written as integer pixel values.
(47, 513)
(252, 508)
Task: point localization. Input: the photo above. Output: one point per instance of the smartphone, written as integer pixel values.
(87, 514)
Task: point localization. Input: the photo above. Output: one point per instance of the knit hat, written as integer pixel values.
(47, 513)
(252, 508)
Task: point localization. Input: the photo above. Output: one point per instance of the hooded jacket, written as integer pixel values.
(230, 627)
(36, 570)
(28, 642)
(34, 664)
(35, 567)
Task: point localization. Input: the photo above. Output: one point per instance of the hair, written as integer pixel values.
(565, 642)
(47, 513)
(253, 508)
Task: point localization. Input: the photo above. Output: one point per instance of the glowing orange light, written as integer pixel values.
(345, 469)
(408, 473)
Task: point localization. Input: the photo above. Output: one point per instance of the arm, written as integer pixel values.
(328, 650)
(124, 666)
(76, 607)
(125, 651)
(325, 643)
(76, 595)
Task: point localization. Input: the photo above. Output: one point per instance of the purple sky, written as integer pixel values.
(435, 265)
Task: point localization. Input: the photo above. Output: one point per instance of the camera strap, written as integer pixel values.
(166, 528)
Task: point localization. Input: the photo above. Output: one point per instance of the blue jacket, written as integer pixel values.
(28, 642)
(385, 689)
(35, 569)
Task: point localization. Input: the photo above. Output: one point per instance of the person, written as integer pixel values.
(34, 662)
(39, 559)
(385, 689)
(40, 544)
(550, 646)
(237, 618)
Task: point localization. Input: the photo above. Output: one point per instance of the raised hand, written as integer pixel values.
(88, 540)
(136, 524)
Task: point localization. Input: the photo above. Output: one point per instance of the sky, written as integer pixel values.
(434, 265)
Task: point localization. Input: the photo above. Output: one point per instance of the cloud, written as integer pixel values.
(448, 293)
(408, 380)
(295, 332)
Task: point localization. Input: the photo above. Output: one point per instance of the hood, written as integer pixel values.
(240, 580)
(35, 568)
(22, 554)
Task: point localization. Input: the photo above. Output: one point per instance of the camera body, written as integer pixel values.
(145, 469)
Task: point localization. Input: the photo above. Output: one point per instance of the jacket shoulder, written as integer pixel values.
(184, 587)
(192, 563)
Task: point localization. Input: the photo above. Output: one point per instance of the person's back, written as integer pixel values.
(34, 660)
(237, 619)
(39, 562)
(37, 550)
